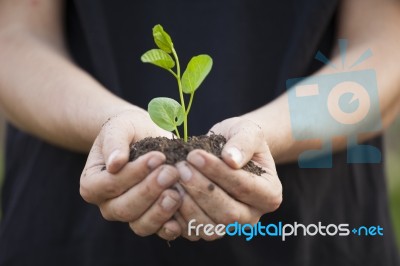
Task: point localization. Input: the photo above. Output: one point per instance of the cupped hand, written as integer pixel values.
(137, 192)
(219, 191)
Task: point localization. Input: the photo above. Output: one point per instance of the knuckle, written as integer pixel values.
(111, 187)
(230, 216)
(161, 216)
(139, 229)
(150, 191)
(85, 192)
(146, 192)
(276, 200)
(90, 191)
(276, 203)
(122, 213)
(106, 214)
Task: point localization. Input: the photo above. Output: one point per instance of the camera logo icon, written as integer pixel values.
(345, 103)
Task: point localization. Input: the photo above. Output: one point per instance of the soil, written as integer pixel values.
(176, 150)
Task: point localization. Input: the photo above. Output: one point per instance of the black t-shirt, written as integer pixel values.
(256, 46)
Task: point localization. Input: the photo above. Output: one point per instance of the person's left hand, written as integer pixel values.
(218, 191)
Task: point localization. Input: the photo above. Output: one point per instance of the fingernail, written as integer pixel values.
(184, 171)
(154, 162)
(168, 203)
(165, 178)
(112, 156)
(170, 233)
(235, 155)
(197, 160)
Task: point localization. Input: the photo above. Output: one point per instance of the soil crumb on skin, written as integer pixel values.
(176, 150)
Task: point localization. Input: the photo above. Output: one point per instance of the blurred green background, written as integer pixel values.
(392, 143)
(392, 159)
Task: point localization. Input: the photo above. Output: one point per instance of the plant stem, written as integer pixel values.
(190, 104)
(172, 72)
(178, 78)
(177, 133)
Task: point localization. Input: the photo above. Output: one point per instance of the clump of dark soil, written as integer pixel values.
(176, 150)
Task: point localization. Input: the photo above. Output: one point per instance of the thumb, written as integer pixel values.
(242, 145)
(116, 145)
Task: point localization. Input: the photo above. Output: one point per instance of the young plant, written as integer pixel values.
(166, 112)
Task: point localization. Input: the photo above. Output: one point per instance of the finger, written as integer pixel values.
(192, 215)
(170, 230)
(97, 186)
(188, 211)
(179, 217)
(217, 204)
(184, 225)
(117, 136)
(133, 203)
(95, 157)
(240, 148)
(262, 192)
(158, 214)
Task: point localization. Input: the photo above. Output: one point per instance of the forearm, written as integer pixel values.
(44, 93)
(379, 34)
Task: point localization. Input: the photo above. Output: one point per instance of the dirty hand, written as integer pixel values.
(136, 192)
(219, 191)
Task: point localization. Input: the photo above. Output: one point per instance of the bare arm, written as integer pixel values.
(44, 93)
(41, 90)
(367, 24)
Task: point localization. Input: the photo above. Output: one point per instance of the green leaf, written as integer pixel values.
(159, 58)
(196, 71)
(166, 113)
(162, 39)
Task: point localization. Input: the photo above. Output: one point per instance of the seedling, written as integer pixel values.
(166, 112)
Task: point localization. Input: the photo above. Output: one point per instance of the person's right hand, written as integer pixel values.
(136, 192)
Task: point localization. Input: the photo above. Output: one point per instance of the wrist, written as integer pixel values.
(277, 131)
